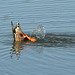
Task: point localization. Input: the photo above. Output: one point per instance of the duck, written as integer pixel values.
(19, 35)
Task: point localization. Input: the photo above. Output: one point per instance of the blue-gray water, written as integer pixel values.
(53, 55)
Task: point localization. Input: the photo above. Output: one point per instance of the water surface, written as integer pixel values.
(53, 55)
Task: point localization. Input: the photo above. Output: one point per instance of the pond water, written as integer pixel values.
(53, 55)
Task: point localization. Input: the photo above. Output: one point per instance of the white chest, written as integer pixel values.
(17, 29)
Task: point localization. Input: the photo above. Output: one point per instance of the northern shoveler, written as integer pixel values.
(18, 35)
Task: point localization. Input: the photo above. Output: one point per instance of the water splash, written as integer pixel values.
(39, 32)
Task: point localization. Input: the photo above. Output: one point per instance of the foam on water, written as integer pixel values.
(39, 32)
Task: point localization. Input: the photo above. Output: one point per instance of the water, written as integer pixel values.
(39, 32)
(53, 55)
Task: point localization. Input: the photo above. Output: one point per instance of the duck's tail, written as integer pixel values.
(12, 29)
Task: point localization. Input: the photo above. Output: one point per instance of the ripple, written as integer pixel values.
(4, 54)
(57, 40)
(53, 53)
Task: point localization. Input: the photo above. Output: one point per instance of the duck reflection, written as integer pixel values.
(17, 47)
